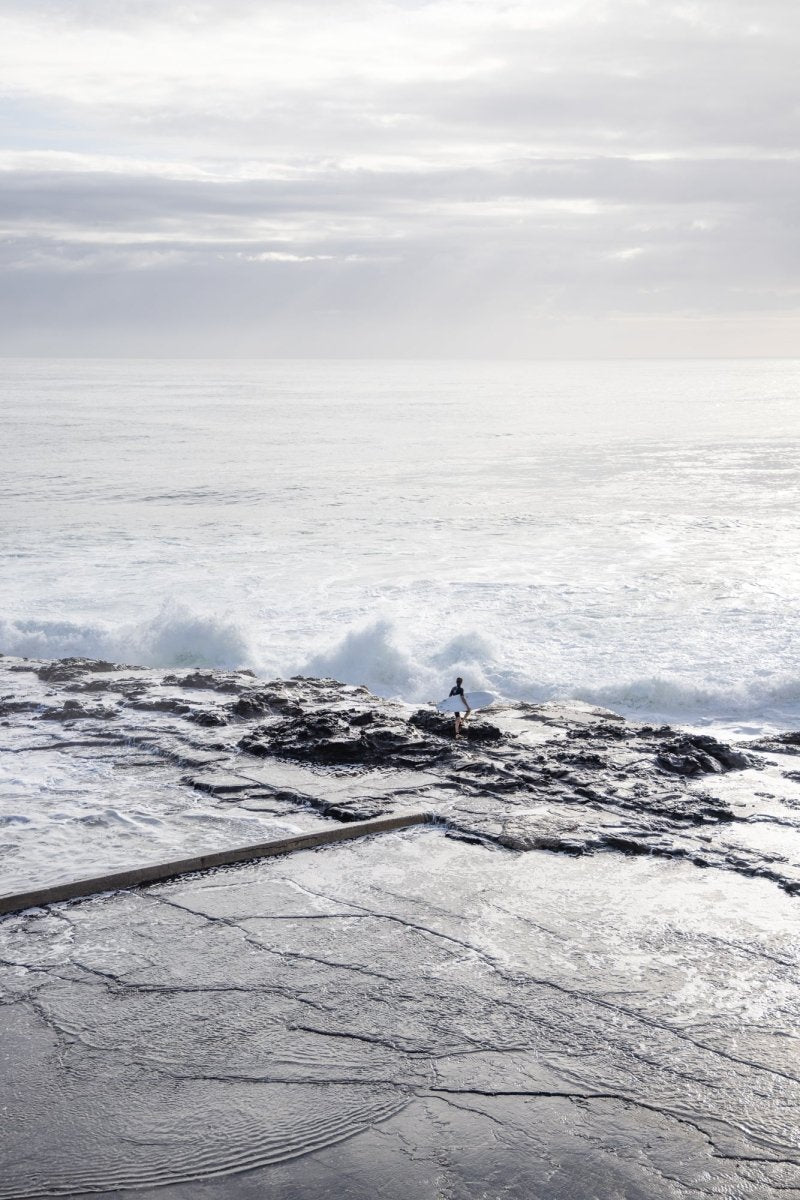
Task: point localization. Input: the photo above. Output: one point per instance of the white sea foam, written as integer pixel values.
(370, 656)
(392, 662)
(623, 533)
(374, 655)
(174, 636)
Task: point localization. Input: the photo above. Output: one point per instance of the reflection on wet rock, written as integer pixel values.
(434, 999)
(611, 1013)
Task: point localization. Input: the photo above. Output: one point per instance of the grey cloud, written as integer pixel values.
(486, 205)
(117, 200)
(431, 302)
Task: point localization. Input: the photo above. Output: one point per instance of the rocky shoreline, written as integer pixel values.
(566, 778)
(540, 991)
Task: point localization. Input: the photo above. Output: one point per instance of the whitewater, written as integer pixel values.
(619, 532)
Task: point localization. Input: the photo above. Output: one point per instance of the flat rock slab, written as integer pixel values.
(426, 1014)
(308, 781)
(147, 874)
(406, 1018)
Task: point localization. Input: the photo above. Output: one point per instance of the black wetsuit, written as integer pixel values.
(457, 691)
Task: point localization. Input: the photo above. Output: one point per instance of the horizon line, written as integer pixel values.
(407, 358)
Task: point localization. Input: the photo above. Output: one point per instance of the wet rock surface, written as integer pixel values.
(406, 1017)
(561, 777)
(780, 743)
(428, 1013)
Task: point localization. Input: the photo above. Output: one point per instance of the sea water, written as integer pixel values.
(622, 532)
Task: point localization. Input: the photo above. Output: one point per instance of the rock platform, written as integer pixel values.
(579, 978)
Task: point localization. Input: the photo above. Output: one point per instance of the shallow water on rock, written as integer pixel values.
(403, 1015)
(83, 813)
(611, 1013)
(85, 796)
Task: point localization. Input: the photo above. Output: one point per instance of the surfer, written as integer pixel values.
(458, 690)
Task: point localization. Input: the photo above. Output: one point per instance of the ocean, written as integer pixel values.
(621, 532)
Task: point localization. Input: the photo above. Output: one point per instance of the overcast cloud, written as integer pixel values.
(355, 178)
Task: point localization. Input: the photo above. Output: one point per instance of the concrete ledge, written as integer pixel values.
(202, 862)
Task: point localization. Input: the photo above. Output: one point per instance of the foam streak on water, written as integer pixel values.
(621, 532)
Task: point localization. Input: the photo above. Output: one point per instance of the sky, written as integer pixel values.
(400, 178)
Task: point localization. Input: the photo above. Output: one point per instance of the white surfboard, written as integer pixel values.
(474, 700)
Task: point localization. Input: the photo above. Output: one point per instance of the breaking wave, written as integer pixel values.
(175, 636)
(394, 662)
(374, 655)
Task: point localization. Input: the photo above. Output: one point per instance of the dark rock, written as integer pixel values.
(477, 730)
(73, 710)
(698, 754)
(208, 717)
(388, 739)
(731, 759)
(124, 687)
(91, 685)
(602, 731)
(257, 703)
(590, 759)
(432, 722)
(359, 811)
(461, 835)
(248, 707)
(688, 764)
(8, 706)
(781, 743)
(169, 704)
(67, 669)
(366, 718)
(481, 732)
(330, 738)
(217, 681)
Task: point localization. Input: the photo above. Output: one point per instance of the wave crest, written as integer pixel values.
(392, 662)
(174, 637)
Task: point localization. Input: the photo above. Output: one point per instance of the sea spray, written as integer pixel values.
(173, 636)
(398, 660)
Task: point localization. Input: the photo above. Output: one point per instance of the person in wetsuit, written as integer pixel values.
(458, 690)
